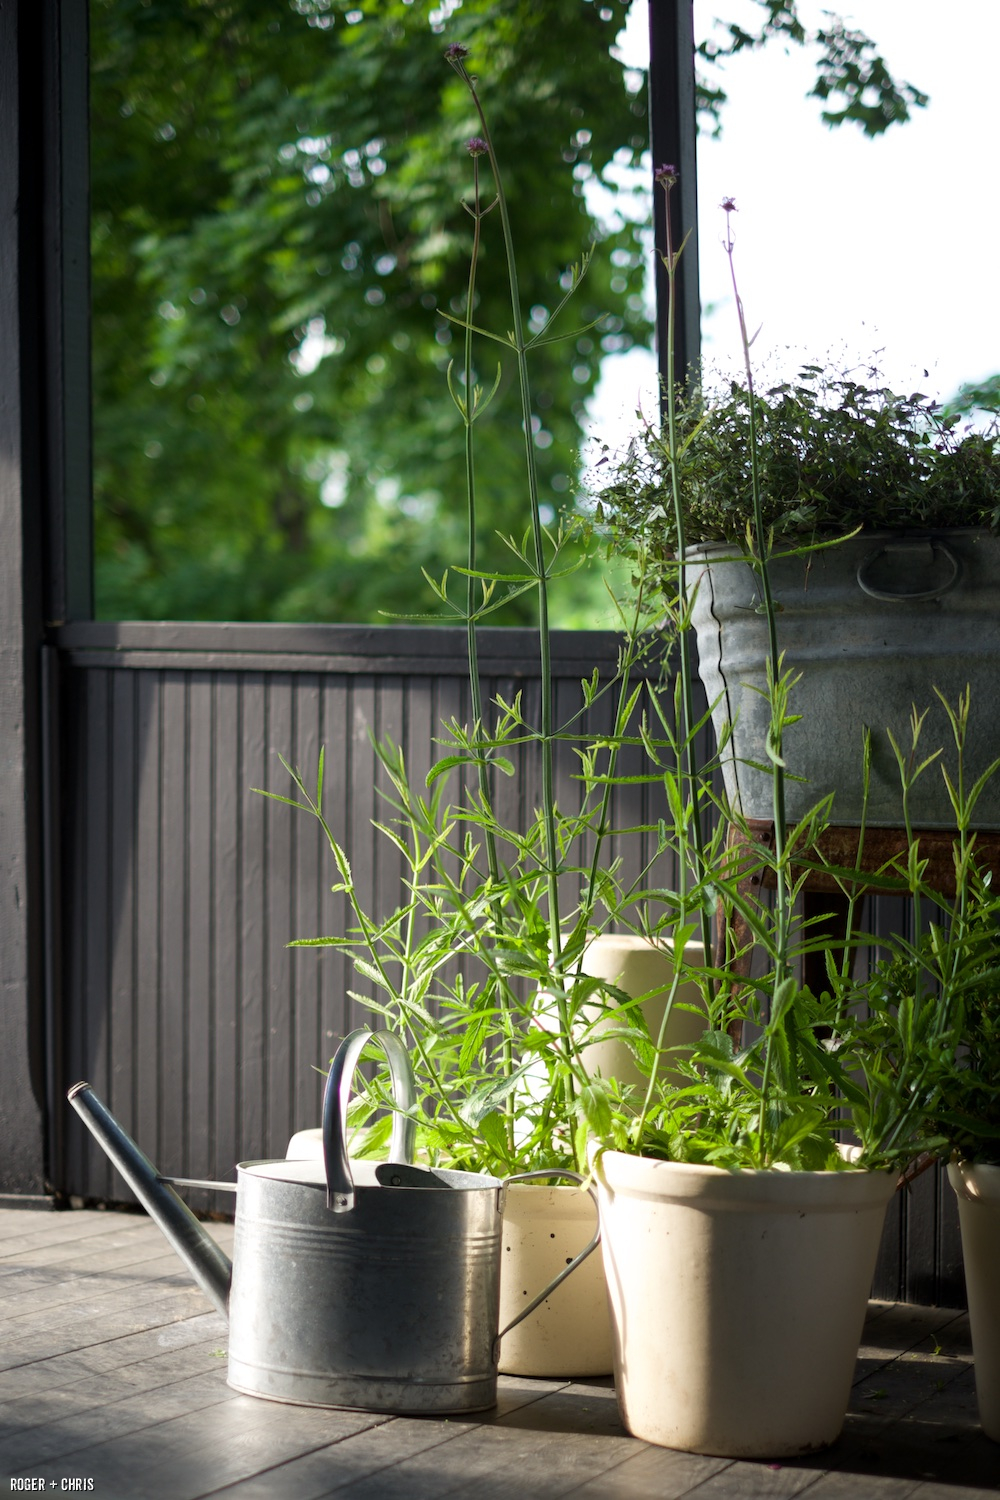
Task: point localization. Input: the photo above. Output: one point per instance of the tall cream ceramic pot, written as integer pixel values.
(640, 967)
(978, 1189)
(570, 1333)
(737, 1300)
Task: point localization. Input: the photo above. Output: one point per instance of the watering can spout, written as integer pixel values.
(202, 1256)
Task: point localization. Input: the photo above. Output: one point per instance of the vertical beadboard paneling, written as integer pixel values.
(176, 819)
(312, 874)
(282, 828)
(390, 724)
(121, 986)
(362, 808)
(256, 874)
(96, 1037)
(227, 922)
(74, 869)
(336, 728)
(150, 1060)
(199, 924)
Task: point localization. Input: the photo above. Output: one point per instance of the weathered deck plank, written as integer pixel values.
(112, 1370)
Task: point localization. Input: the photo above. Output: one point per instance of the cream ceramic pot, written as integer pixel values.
(737, 1300)
(978, 1189)
(544, 1227)
(640, 967)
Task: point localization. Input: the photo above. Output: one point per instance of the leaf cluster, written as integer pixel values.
(939, 1061)
(463, 968)
(833, 455)
(278, 233)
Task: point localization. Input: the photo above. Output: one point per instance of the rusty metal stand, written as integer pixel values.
(823, 892)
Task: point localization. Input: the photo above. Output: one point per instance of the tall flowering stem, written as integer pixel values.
(777, 691)
(456, 56)
(666, 177)
(469, 406)
(687, 758)
(761, 546)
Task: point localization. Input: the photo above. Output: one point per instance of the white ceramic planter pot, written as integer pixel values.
(543, 1229)
(978, 1189)
(737, 1300)
(570, 1333)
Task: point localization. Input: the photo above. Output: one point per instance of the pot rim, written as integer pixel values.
(772, 1188)
(975, 1181)
(709, 551)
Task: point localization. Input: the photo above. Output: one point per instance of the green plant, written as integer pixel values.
(930, 1036)
(782, 1070)
(492, 914)
(480, 966)
(833, 454)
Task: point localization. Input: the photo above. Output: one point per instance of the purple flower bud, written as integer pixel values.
(728, 205)
(666, 175)
(476, 146)
(456, 52)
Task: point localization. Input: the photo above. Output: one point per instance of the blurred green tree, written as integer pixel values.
(277, 230)
(277, 218)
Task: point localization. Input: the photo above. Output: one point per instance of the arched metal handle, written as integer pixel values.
(542, 1174)
(906, 595)
(339, 1179)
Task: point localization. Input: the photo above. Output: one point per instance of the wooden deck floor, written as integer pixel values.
(112, 1372)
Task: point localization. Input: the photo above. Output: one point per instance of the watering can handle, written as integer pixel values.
(339, 1180)
(568, 1270)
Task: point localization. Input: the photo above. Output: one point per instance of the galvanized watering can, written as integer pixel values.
(353, 1284)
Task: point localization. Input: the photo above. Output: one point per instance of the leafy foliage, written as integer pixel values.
(983, 395)
(833, 455)
(277, 228)
(276, 183)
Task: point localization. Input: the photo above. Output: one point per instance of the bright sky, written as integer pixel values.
(847, 247)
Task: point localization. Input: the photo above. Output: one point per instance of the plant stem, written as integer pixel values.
(475, 684)
(759, 562)
(546, 734)
(670, 261)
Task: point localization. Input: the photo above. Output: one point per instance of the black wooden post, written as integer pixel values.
(22, 1073)
(672, 124)
(44, 531)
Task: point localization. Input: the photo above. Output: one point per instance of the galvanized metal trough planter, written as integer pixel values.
(873, 626)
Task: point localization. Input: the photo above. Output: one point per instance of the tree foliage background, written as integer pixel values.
(277, 230)
(273, 182)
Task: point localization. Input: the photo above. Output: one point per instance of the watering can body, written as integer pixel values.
(390, 1307)
(373, 1287)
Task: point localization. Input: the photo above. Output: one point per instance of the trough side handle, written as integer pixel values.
(577, 1260)
(339, 1179)
(906, 595)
